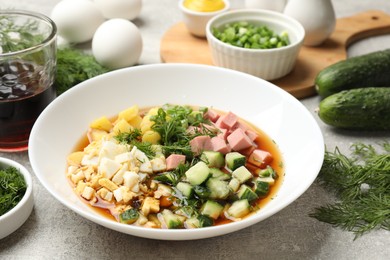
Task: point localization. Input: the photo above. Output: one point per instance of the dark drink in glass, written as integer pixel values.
(27, 70)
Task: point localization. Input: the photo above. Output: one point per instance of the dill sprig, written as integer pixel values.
(134, 138)
(12, 189)
(172, 123)
(362, 184)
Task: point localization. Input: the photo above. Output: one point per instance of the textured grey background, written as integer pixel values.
(55, 232)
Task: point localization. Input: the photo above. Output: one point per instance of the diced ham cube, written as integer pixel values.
(219, 145)
(223, 133)
(212, 115)
(239, 125)
(200, 143)
(238, 140)
(249, 150)
(260, 158)
(251, 134)
(227, 121)
(174, 160)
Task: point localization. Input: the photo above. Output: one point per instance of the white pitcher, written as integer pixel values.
(274, 5)
(317, 17)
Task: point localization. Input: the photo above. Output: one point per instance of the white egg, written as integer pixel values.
(117, 43)
(77, 20)
(126, 9)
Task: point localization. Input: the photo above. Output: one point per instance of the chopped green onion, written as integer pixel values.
(250, 36)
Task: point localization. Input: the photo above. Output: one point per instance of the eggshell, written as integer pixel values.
(117, 43)
(77, 20)
(126, 9)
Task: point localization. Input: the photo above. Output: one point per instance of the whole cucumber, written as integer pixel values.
(360, 109)
(369, 70)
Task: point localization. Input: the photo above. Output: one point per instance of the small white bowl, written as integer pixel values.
(196, 21)
(268, 64)
(13, 219)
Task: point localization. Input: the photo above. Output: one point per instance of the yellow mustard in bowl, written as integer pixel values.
(204, 5)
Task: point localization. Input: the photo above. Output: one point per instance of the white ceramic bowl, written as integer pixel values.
(13, 219)
(196, 21)
(62, 124)
(268, 64)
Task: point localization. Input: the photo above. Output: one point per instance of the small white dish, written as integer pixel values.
(196, 21)
(13, 219)
(259, 102)
(268, 64)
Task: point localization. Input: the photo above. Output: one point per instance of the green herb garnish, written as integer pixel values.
(134, 138)
(74, 67)
(173, 122)
(12, 189)
(362, 184)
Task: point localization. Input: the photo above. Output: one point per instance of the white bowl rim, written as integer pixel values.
(28, 179)
(291, 20)
(192, 12)
(171, 234)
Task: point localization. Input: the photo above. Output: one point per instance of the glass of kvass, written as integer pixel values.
(27, 71)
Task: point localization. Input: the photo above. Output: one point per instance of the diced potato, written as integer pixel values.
(94, 134)
(129, 113)
(151, 136)
(75, 158)
(122, 126)
(153, 111)
(146, 124)
(136, 121)
(102, 123)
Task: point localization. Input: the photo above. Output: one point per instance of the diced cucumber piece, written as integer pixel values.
(242, 174)
(198, 173)
(245, 192)
(172, 220)
(218, 189)
(269, 180)
(129, 216)
(199, 222)
(261, 188)
(212, 209)
(234, 184)
(235, 160)
(186, 189)
(205, 221)
(239, 208)
(268, 172)
(202, 192)
(213, 159)
(218, 174)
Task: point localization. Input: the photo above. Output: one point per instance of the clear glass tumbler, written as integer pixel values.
(27, 71)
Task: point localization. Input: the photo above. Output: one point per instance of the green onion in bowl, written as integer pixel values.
(248, 35)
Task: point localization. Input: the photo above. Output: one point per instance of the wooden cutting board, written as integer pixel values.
(179, 46)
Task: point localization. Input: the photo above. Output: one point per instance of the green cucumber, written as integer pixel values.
(234, 160)
(212, 209)
(198, 173)
(369, 70)
(213, 159)
(358, 109)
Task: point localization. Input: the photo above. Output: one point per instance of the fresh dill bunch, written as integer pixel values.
(362, 184)
(12, 189)
(73, 67)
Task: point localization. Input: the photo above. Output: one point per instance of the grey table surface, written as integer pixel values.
(55, 232)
